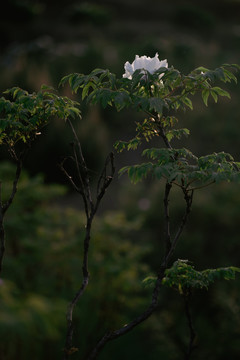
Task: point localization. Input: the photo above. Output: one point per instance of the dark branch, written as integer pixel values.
(83, 188)
(188, 199)
(79, 189)
(167, 221)
(163, 135)
(105, 180)
(111, 335)
(14, 186)
(191, 345)
(4, 207)
(82, 162)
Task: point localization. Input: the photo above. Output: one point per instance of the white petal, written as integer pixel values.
(146, 63)
(128, 70)
(163, 63)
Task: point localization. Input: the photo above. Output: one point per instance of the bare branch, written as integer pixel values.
(5, 207)
(90, 210)
(105, 180)
(167, 222)
(68, 176)
(14, 186)
(78, 189)
(201, 187)
(111, 335)
(103, 183)
(82, 163)
(188, 199)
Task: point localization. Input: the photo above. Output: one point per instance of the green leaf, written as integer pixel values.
(229, 75)
(205, 95)
(121, 100)
(156, 104)
(214, 95)
(86, 89)
(201, 69)
(188, 102)
(149, 281)
(220, 92)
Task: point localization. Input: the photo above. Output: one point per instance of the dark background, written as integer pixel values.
(42, 41)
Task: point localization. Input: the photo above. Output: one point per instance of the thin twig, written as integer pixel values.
(201, 187)
(188, 199)
(82, 163)
(90, 210)
(80, 189)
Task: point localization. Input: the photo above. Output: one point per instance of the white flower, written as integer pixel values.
(144, 63)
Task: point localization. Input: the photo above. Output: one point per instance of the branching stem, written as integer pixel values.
(83, 188)
(111, 335)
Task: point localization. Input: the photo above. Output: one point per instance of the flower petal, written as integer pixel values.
(146, 63)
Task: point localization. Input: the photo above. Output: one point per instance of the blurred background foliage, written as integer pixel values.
(41, 41)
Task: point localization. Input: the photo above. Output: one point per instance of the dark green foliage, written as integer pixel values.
(182, 167)
(183, 277)
(24, 114)
(145, 91)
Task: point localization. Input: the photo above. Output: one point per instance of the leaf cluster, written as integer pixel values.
(23, 114)
(183, 277)
(166, 88)
(152, 127)
(183, 168)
